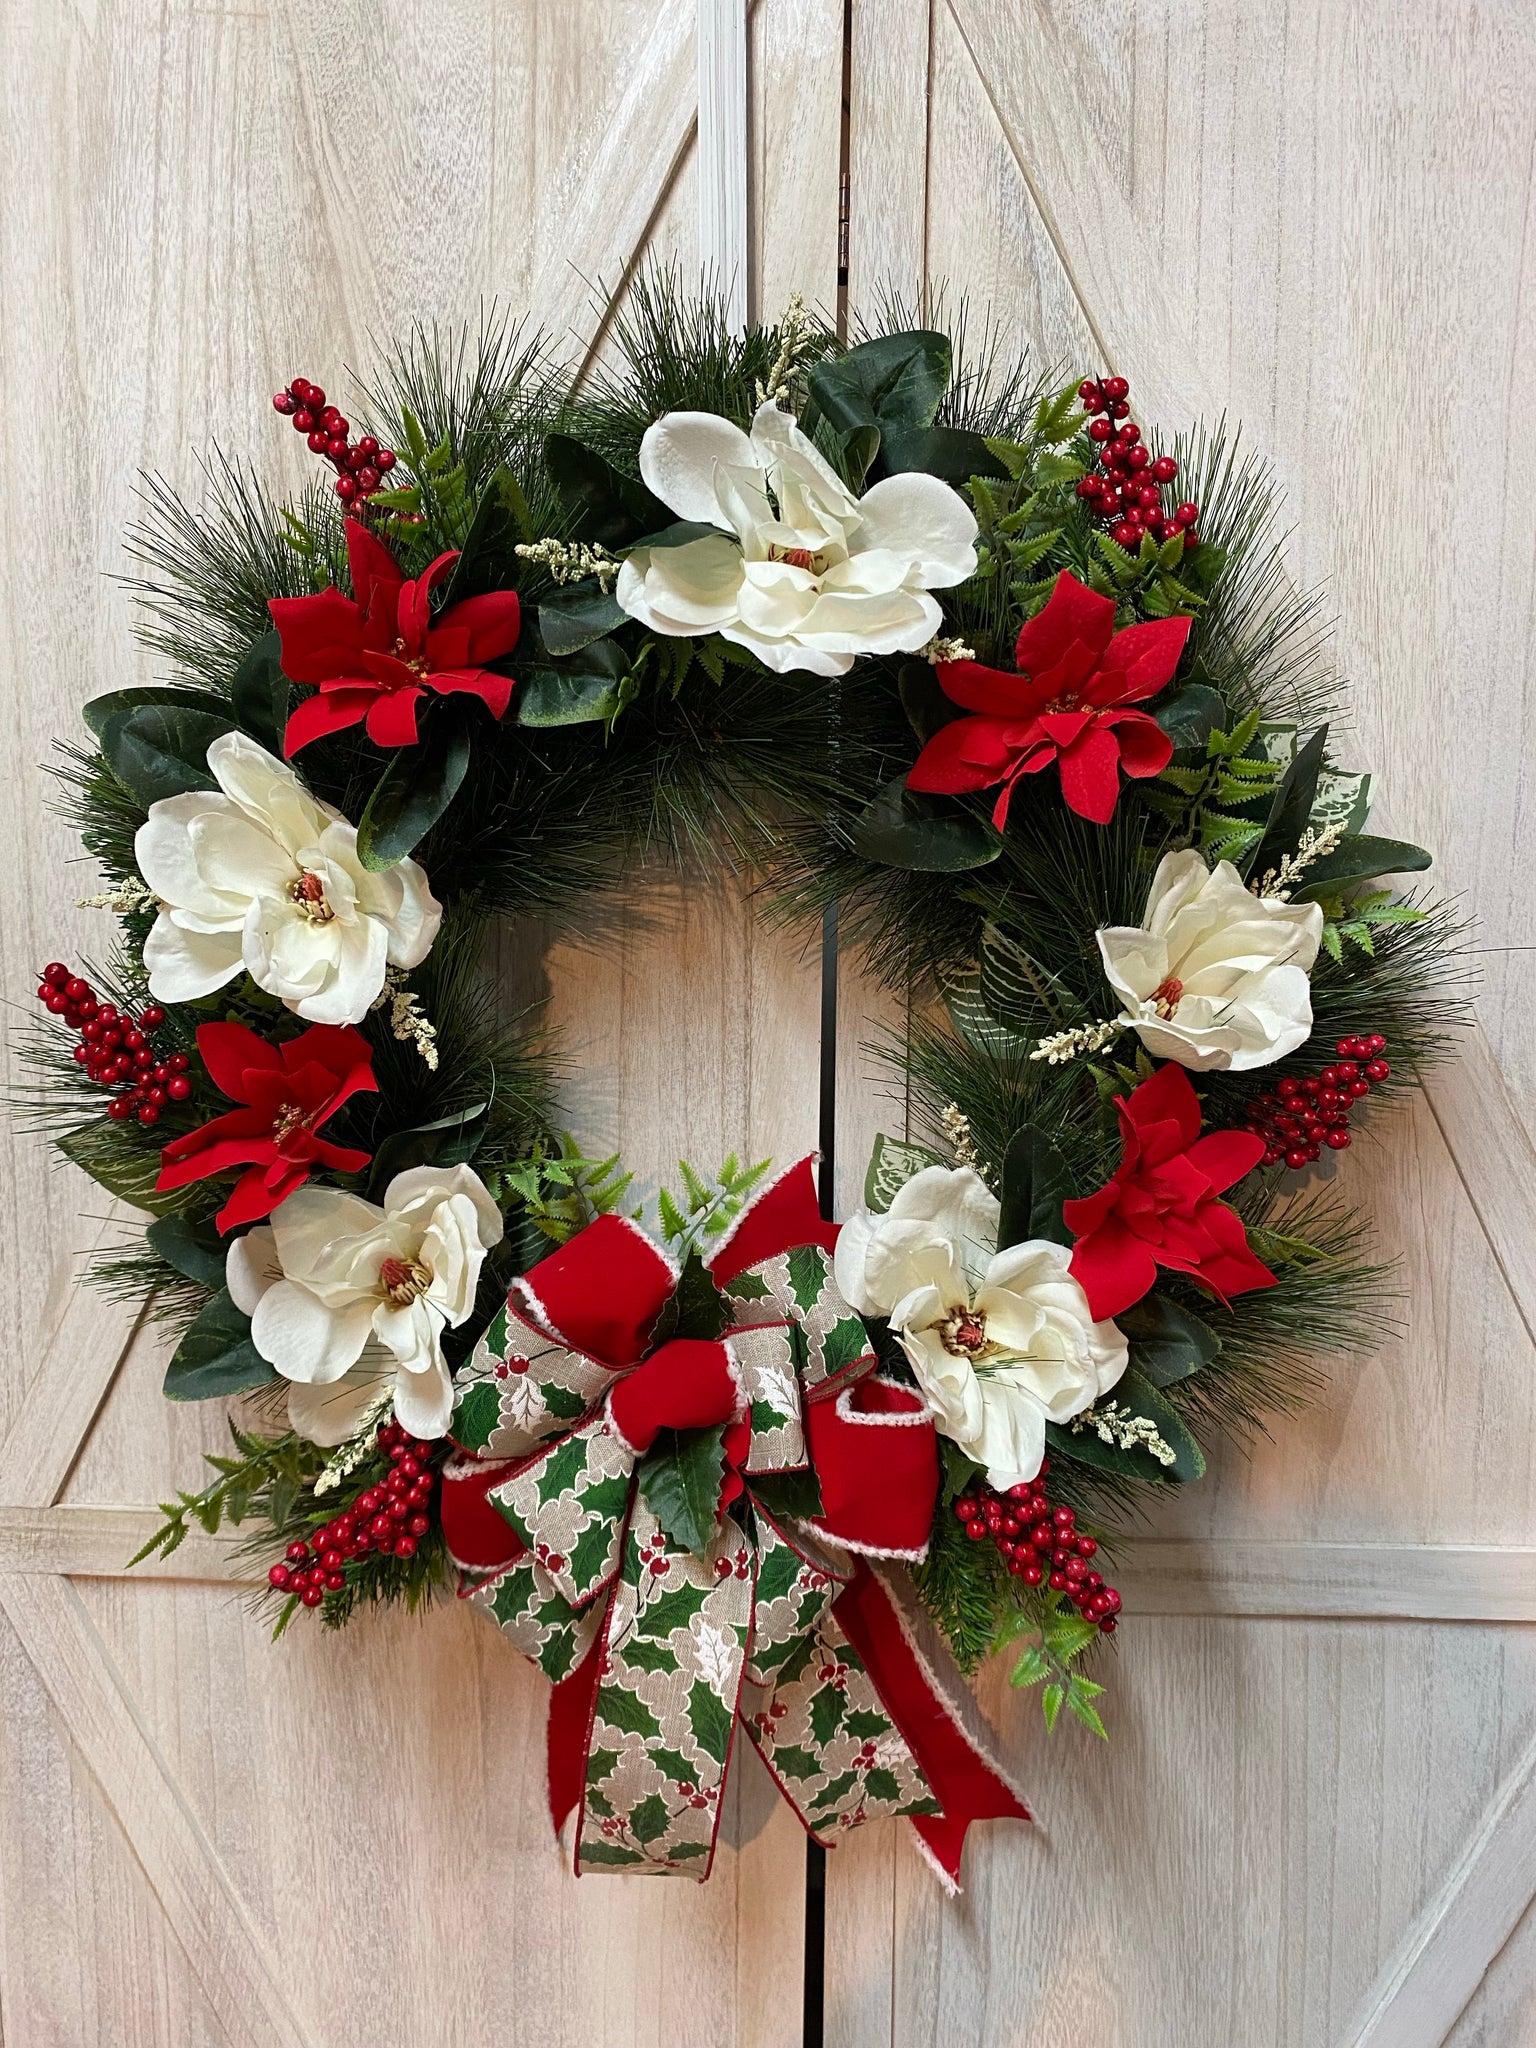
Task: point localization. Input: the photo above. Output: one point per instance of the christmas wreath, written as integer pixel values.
(905, 630)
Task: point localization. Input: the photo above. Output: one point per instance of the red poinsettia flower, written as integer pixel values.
(1160, 1209)
(1068, 703)
(373, 655)
(288, 1090)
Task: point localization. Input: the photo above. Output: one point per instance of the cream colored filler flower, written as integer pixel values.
(260, 876)
(349, 1300)
(1214, 976)
(1002, 1342)
(803, 573)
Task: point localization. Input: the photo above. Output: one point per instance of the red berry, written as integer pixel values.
(334, 1581)
(368, 446)
(314, 398)
(312, 1595)
(1116, 387)
(1057, 1582)
(385, 459)
(1099, 430)
(178, 1087)
(418, 1525)
(1165, 469)
(1295, 1160)
(119, 1109)
(1377, 1070)
(1088, 389)
(1125, 535)
(1137, 459)
(1186, 514)
(284, 402)
(279, 1574)
(1357, 1090)
(336, 448)
(368, 478)
(297, 1552)
(148, 1113)
(346, 489)
(1337, 1139)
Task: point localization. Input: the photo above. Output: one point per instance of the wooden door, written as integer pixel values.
(205, 1840)
(1315, 1823)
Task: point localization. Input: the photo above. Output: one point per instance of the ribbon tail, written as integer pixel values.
(571, 1704)
(929, 1702)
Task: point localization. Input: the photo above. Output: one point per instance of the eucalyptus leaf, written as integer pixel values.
(259, 693)
(903, 829)
(953, 453)
(574, 618)
(605, 505)
(1359, 857)
(680, 1479)
(1291, 809)
(195, 1253)
(1189, 715)
(161, 750)
(130, 1175)
(446, 1141)
(97, 712)
(1167, 1342)
(1034, 1185)
(895, 380)
(415, 789)
(216, 1356)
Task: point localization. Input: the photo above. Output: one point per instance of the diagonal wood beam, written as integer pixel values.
(239, 1974)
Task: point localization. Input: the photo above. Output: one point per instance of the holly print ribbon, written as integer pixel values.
(672, 1490)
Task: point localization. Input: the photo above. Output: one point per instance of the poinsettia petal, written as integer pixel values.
(392, 718)
(327, 711)
(491, 624)
(1072, 612)
(966, 754)
(493, 690)
(376, 576)
(1114, 1269)
(1145, 749)
(321, 636)
(980, 688)
(340, 1158)
(1146, 657)
(234, 1139)
(1166, 1096)
(1225, 1156)
(257, 1193)
(228, 1051)
(1090, 776)
(1237, 1267)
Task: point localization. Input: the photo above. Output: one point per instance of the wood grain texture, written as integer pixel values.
(217, 205)
(1317, 220)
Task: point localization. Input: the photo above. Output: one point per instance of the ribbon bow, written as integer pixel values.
(682, 1531)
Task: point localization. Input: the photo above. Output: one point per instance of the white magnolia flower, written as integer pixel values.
(1001, 1342)
(805, 575)
(1215, 976)
(261, 875)
(347, 1299)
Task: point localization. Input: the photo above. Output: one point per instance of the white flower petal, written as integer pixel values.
(295, 1331)
(164, 849)
(424, 1402)
(329, 1413)
(251, 1266)
(678, 455)
(923, 520)
(184, 965)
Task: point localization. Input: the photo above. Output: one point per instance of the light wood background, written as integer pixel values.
(1316, 1823)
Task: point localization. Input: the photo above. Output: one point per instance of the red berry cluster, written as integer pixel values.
(116, 1050)
(1126, 490)
(362, 465)
(1040, 1543)
(390, 1518)
(1304, 1115)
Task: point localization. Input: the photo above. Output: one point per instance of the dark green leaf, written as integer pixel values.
(129, 1175)
(486, 561)
(679, 534)
(1201, 566)
(700, 1309)
(646, 1655)
(216, 1356)
(581, 688)
(574, 618)
(1188, 715)
(1034, 1185)
(680, 1477)
(447, 1141)
(1167, 1342)
(928, 709)
(1138, 1397)
(894, 380)
(161, 750)
(197, 1254)
(952, 453)
(650, 1819)
(610, 1852)
(100, 709)
(1291, 808)
(604, 505)
(259, 693)
(710, 1720)
(415, 789)
(789, 1496)
(671, 1610)
(1360, 857)
(626, 1712)
(903, 829)
(827, 1708)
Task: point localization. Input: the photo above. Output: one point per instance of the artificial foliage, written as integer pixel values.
(890, 624)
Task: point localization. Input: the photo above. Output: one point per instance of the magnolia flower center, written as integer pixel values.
(308, 892)
(1166, 997)
(963, 1333)
(403, 1279)
(799, 558)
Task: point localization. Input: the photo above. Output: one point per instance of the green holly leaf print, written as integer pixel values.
(796, 1763)
(710, 1720)
(882, 1785)
(478, 1413)
(650, 1819)
(827, 1709)
(807, 1275)
(626, 1712)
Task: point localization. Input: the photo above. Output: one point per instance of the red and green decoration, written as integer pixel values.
(971, 657)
